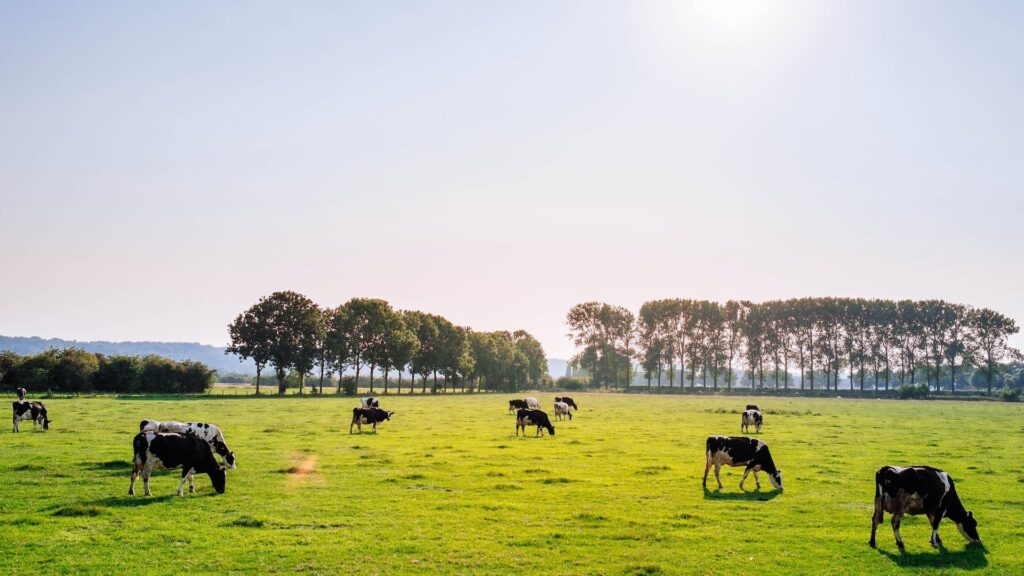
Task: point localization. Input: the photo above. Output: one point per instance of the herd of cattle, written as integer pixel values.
(191, 446)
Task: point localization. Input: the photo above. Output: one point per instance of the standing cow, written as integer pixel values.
(21, 394)
(209, 432)
(371, 402)
(527, 417)
(920, 490)
(562, 410)
(514, 405)
(372, 416)
(34, 411)
(751, 417)
(568, 401)
(532, 403)
(740, 451)
(169, 451)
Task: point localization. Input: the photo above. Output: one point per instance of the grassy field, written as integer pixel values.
(446, 487)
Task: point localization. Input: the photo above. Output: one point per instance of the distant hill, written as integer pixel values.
(212, 356)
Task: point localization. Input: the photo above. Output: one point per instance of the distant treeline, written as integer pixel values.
(75, 370)
(292, 334)
(878, 343)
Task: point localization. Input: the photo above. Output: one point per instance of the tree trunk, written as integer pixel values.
(259, 369)
(372, 368)
(321, 376)
(386, 373)
(280, 382)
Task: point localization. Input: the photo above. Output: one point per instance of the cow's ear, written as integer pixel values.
(970, 514)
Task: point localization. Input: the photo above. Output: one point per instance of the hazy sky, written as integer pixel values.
(163, 165)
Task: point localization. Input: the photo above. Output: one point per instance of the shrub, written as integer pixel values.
(570, 384)
(349, 386)
(911, 391)
(1010, 395)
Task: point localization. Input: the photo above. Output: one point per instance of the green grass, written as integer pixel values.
(446, 487)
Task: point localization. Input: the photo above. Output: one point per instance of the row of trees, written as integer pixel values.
(78, 371)
(870, 341)
(290, 333)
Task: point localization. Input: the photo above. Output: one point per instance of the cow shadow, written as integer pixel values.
(110, 467)
(972, 557)
(750, 496)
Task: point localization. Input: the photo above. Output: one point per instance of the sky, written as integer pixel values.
(164, 165)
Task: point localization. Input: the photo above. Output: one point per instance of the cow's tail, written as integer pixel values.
(139, 446)
(707, 452)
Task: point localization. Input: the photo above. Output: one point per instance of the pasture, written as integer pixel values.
(447, 488)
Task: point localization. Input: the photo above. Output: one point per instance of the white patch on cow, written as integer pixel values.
(760, 445)
(532, 402)
(944, 478)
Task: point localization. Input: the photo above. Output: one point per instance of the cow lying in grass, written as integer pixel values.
(169, 451)
(740, 451)
(920, 490)
(538, 418)
(209, 432)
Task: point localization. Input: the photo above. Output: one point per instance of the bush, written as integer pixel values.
(570, 384)
(349, 385)
(914, 392)
(1010, 395)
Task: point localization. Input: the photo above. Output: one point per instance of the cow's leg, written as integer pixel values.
(744, 478)
(757, 481)
(876, 519)
(185, 471)
(15, 419)
(350, 426)
(718, 477)
(896, 518)
(570, 416)
(934, 521)
(707, 466)
(191, 481)
(146, 471)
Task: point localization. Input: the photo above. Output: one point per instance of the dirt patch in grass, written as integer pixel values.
(413, 477)
(652, 470)
(642, 570)
(507, 487)
(556, 481)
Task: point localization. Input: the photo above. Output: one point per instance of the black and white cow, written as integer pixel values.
(562, 410)
(919, 490)
(373, 416)
(209, 432)
(532, 403)
(751, 417)
(568, 401)
(528, 417)
(741, 451)
(167, 451)
(371, 402)
(21, 394)
(514, 405)
(34, 411)
(752, 407)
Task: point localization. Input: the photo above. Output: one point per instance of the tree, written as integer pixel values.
(989, 332)
(367, 321)
(251, 337)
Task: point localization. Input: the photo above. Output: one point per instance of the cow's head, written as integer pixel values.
(969, 528)
(228, 456)
(390, 414)
(776, 479)
(219, 478)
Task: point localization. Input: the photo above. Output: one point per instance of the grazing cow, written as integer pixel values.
(209, 432)
(532, 403)
(568, 401)
(528, 417)
(373, 416)
(562, 410)
(752, 407)
(516, 405)
(34, 411)
(920, 490)
(21, 394)
(165, 451)
(371, 402)
(751, 417)
(741, 451)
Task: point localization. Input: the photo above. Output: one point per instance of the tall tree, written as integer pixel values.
(989, 333)
(251, 338)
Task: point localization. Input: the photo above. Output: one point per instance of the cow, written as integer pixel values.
(741, 451)
(562, 410)
(167, 451)
(514, 405)
(568, 401)
(371, 402)
(751, 417)
(34, 411)
(753, 407)
(529, 417)
(532, 403)
(373, 416)
(920, 490)
(209, 432)
(21, 394)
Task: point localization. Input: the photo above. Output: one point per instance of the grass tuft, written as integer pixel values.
(642, 570)
(74, 510)
(247, 522)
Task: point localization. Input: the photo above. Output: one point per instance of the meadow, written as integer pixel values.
(447, 488)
